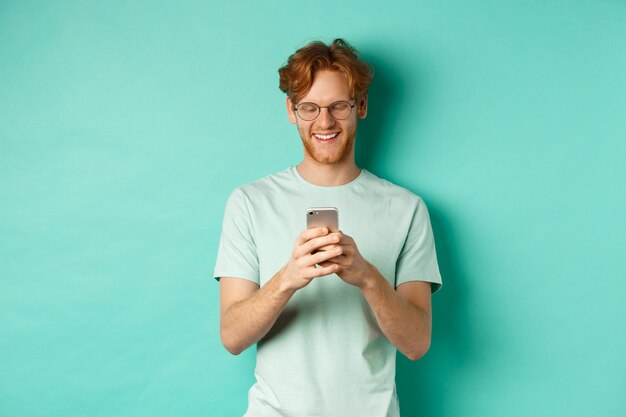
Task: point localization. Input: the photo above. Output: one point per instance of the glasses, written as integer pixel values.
(339, 110)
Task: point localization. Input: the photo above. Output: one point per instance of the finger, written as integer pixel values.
(346, 240)
(330, 263)
(327, 247)
(348, 250)
(316, 244)
(340, 260)
(323, 256)
(309, 234)
(320, 272)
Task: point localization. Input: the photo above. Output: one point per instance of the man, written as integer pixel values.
(328, 311)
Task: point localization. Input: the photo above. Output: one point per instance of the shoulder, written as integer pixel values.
(396, 193)
(263, 186)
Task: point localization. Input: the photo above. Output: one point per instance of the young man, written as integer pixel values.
(327, 309)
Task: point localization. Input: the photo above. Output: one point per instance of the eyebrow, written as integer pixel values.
(332, 102)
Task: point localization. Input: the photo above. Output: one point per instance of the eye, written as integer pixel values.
(307, 108)
(340, 106)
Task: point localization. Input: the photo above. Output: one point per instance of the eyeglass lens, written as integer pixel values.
(339, 110)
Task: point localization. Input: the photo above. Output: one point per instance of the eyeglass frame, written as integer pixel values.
(319, 111)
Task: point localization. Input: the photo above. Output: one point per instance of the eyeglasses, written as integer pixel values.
(339, 110)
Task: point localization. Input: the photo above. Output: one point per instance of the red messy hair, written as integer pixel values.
(296, 77)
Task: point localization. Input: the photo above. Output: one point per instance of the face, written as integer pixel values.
(325, 139)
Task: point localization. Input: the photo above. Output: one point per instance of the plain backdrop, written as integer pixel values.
(125, 125)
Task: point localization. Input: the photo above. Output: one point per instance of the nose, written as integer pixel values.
(325, 120)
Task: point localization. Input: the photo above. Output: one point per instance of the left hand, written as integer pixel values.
(353, 268)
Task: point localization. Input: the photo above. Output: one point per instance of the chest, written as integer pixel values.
(378, 232)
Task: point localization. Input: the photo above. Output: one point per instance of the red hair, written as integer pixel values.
(296, 77)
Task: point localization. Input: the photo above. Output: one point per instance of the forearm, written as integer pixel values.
(407, 327)
(248, 320)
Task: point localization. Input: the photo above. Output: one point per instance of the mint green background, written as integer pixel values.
(125, 125)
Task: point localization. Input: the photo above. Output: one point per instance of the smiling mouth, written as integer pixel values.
(325, 137)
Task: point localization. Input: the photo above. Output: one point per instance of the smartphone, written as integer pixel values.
(323, 217)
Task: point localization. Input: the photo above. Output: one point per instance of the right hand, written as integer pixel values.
(312, 247)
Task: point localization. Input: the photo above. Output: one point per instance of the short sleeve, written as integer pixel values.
(237, 254)
(418, 258)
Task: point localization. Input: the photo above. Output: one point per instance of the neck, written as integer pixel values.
(328, 175)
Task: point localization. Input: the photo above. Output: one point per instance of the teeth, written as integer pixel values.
(325, 137)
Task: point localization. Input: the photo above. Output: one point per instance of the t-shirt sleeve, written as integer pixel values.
(236, 254)
(418, 258)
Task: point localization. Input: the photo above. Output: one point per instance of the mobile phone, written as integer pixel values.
(327, 217)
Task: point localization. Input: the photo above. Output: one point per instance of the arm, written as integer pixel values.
(248, 312)
(404, 315)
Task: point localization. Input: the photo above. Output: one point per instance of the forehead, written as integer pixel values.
(328, 86)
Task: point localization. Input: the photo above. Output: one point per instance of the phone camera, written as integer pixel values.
(310, 213)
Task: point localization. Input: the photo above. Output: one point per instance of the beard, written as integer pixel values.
(341, 154)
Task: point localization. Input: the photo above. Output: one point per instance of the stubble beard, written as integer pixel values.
(341, 155)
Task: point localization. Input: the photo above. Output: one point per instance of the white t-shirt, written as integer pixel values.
(326, 355)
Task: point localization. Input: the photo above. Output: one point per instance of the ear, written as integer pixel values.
(362, 106)
(290, 111)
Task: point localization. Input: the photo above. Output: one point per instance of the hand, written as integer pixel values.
(351, 266)
(312, 247)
